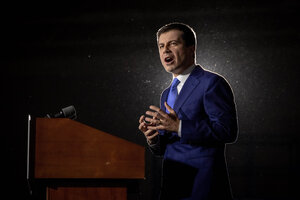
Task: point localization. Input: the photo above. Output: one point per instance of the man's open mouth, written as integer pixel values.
(169, 59)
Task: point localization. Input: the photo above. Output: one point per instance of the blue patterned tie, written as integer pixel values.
(173, 93)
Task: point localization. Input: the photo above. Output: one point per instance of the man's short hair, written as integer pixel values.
(189, 35)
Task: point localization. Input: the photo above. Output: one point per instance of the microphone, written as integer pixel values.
(67, 112)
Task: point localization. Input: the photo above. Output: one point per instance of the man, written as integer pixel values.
(196, 118)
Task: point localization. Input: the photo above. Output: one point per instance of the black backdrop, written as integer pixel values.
(102, 58)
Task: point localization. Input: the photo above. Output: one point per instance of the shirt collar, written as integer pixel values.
(185, 74)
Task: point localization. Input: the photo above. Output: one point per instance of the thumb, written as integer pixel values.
(169, 108)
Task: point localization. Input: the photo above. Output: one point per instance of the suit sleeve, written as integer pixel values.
(218, 122)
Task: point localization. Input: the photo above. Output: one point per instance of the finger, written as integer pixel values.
(160, 112)
(155, 115)
(152, 121)
(140, 126)
(143, 127)
(141, 118)
(159, 127)
(153, 136)
(149, 133)
(154, 108)
(169, 108)
(143, 124)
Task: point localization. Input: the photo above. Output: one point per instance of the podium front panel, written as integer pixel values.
(66, 148)
(87, 193)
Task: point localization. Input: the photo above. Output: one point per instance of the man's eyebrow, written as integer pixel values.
(176, 40)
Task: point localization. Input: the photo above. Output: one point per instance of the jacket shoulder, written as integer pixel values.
(207, 76)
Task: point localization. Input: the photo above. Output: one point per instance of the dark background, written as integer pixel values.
(102, 58)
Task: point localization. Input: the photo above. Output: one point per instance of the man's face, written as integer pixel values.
(175, 56)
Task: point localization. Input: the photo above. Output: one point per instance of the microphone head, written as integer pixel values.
(69, 112)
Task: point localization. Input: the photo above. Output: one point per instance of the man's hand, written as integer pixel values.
(162, 120)
(149, 134)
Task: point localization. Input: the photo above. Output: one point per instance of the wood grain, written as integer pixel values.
(87, 193)
(65, 148)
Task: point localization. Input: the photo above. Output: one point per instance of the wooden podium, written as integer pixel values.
(75, 161)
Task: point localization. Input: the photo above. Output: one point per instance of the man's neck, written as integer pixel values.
(184, 70)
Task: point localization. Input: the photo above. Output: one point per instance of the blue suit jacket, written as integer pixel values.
(207, 109)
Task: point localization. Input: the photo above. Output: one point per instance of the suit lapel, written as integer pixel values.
(188, 87)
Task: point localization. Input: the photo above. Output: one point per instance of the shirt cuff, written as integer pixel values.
(179, 129)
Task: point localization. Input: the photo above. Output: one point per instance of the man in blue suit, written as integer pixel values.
(196, 118)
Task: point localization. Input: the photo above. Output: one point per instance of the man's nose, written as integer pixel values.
(166, 49)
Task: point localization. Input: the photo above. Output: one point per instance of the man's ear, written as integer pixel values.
(192, 49)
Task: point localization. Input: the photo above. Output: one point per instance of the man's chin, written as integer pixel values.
(170, 68)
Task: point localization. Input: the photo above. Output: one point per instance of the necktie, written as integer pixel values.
(173, 93)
